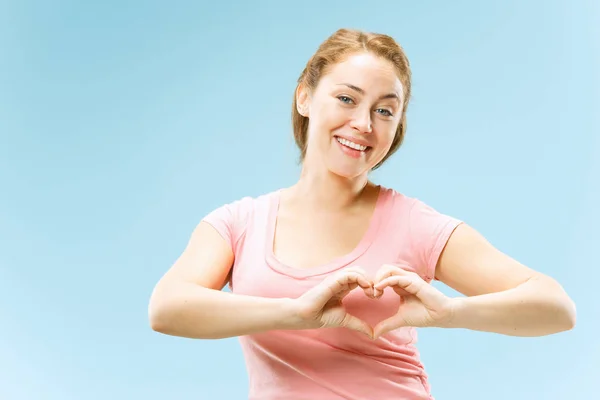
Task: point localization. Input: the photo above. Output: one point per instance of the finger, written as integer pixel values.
(396, 283)
(408, 283)
(400, 292)
(385, 271)
(414, 285)
(370, 292)
(356, 324)
(360, 280)
(367, 289)
(388, 325)
(337, 285)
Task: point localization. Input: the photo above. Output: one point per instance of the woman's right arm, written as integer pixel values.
(188, 300)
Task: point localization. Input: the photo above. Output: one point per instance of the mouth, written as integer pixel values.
(352, 146)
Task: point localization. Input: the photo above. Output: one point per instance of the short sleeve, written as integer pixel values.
(429, 233)
(230, 220)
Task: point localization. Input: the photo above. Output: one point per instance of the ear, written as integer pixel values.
(302, 100)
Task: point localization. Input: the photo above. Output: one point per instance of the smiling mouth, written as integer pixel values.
(352, 145)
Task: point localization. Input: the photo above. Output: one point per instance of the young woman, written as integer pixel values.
(330, 277)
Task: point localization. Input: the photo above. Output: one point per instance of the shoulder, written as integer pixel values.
(231, 218)
(248, 203)
(410, 205)
(242, 207)
(401, 204)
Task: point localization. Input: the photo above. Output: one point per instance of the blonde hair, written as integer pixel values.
(343, 43)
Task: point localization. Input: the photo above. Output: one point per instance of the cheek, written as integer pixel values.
(386, 138)
(330, 116)
(324, 124)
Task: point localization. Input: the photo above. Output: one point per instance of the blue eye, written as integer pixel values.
(345, 99)
(387, 113)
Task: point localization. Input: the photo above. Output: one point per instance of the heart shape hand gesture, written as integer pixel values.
(421, 304)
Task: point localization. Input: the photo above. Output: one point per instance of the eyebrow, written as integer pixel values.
(361, 91)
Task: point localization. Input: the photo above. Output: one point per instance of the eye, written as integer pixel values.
(345, 99)
(385, 112)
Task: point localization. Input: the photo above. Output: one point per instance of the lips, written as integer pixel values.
(354, 144)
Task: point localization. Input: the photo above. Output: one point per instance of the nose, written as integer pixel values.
(361, 120)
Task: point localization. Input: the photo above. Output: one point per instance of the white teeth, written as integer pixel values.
(351, 144)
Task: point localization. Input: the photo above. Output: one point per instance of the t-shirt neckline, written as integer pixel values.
(366, 241)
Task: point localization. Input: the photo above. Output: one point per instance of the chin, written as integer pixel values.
(347, 170)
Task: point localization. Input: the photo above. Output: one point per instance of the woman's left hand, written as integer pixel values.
(421, 304)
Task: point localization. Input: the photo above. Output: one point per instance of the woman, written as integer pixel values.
(294, 257)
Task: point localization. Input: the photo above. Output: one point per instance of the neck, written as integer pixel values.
(324, 189)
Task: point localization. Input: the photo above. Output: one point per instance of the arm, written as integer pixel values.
(188, 300)
(504, 296)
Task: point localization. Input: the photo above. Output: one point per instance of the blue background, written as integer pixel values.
(123, 123)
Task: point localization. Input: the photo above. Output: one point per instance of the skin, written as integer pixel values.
(359, 98)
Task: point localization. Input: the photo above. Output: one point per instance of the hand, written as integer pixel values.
(422, 305)
(321, 306)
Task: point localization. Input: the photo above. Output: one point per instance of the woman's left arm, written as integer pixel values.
(503, 296)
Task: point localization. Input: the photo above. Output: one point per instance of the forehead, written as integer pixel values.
(370, 72)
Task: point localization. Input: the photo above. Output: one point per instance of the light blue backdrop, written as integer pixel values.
(123, 123)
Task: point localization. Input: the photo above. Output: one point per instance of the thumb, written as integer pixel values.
(388, 325)
(356, 324)
(337, 285)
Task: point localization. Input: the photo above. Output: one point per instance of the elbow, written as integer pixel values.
(560, 313)
(158, 316)
(156, 320)
(568, 314)
(565, 312)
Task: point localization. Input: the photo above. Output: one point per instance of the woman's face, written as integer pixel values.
(353, 115)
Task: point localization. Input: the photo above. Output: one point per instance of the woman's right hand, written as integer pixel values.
(321, 306)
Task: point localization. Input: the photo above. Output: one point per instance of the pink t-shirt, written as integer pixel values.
(333, 363)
